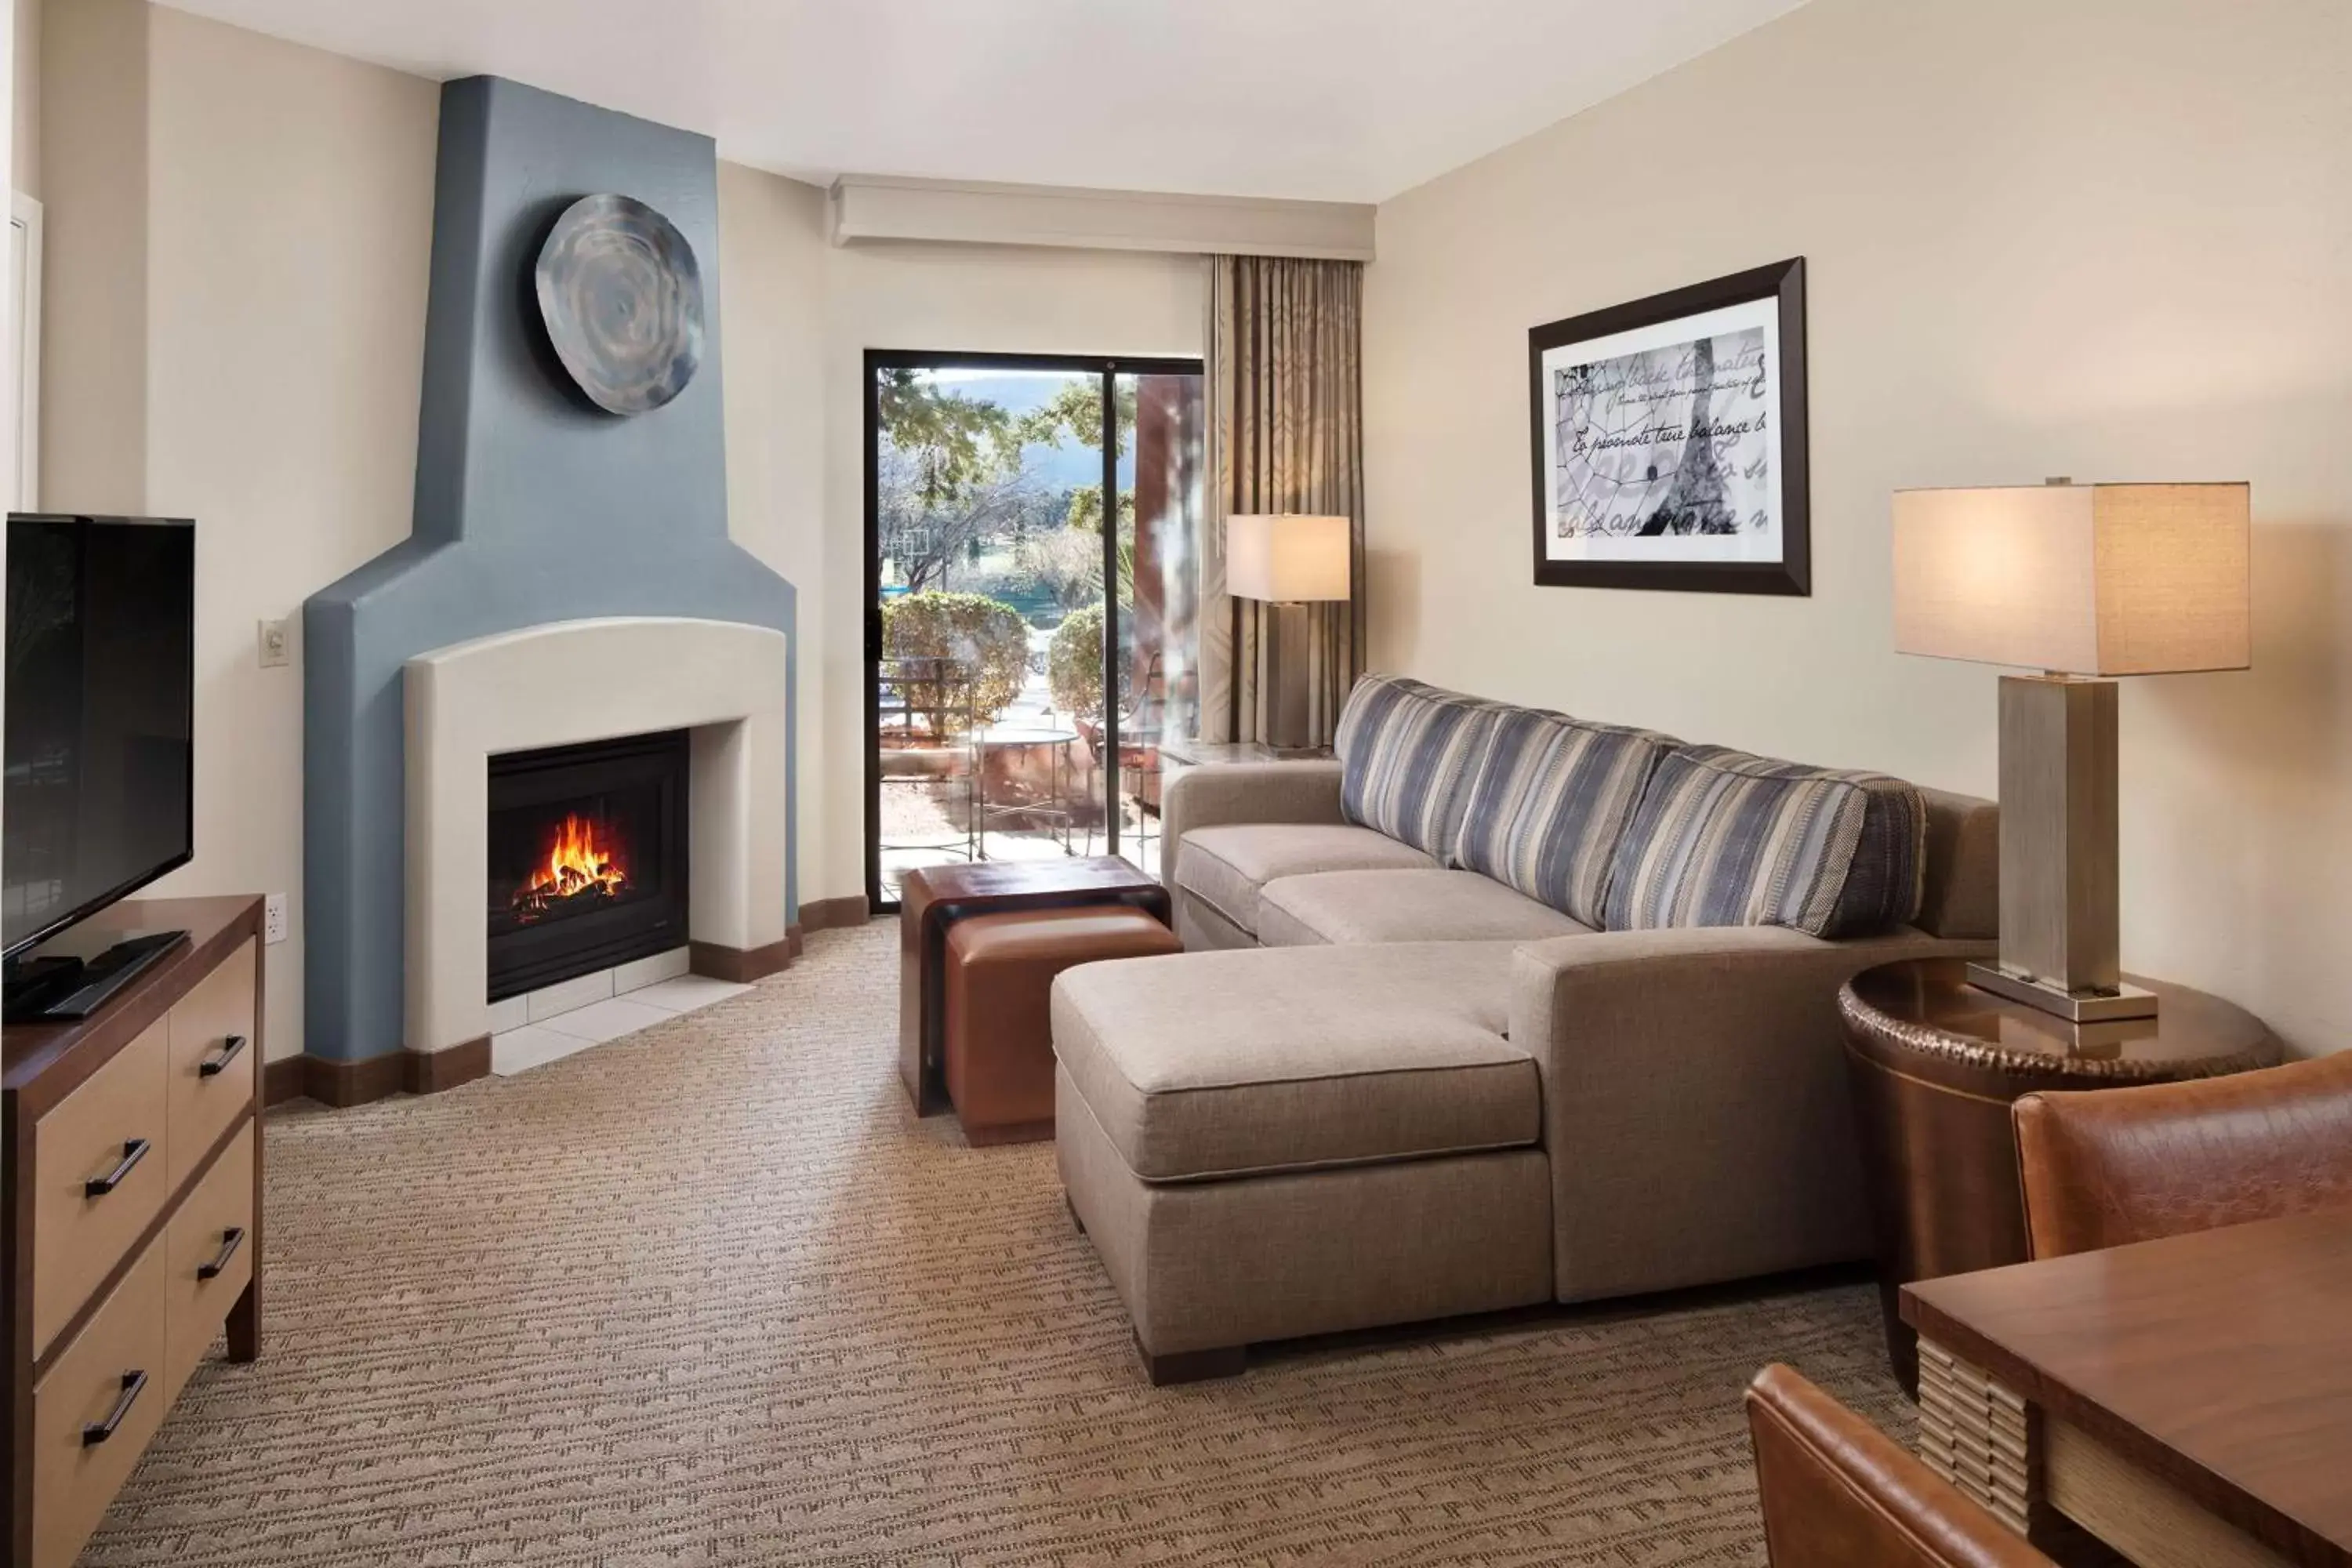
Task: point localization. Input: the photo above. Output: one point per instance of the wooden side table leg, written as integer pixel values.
(912, 899)
(931, 1067)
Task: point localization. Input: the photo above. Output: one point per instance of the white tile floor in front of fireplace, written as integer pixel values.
(540, 1026)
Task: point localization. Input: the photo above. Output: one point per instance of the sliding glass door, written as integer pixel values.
(1032, 573)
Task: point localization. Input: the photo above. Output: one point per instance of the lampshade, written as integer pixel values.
(2077, 579)
(1287, 557)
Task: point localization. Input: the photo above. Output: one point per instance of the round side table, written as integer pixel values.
(1936, 1063)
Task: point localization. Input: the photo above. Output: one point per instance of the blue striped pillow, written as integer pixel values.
(1408, 755)
(1725, 839)
(1552, 803)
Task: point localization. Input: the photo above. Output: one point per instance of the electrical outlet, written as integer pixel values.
(273, 917)
(273, 645)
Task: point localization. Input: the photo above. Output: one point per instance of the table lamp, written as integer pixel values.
(2083, 583)
(1289, 562)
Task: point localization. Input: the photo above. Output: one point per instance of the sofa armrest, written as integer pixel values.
(1696, 1105)
(1244, 791)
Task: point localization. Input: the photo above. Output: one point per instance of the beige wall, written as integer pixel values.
(290, 207)
(24, 97)
(247, 260)
(93, 107)
(772, 272)
(2111, 238)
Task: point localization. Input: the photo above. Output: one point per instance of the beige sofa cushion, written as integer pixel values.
(1226, 867)
(1400, 906)
(1962, 898)
(1225, 1064)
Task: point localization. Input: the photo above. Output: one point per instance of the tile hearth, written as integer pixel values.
(545, 1025)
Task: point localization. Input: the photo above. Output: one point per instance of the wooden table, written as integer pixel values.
(1935, 1064)
(936, 896)
(2189, 1401)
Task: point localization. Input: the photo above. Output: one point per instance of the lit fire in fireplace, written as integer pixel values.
(584, 861)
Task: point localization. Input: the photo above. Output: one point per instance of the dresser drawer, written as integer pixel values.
(95, 1380)
(99, 1162)
(214, 1059)
(210, 1242)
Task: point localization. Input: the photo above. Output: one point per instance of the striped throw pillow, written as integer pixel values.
(1723, 839)
(1552, 803)
(1408, 755)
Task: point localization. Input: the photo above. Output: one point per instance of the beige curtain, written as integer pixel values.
(1286, 434)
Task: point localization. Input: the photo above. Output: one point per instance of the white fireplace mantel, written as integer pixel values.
(566, 682)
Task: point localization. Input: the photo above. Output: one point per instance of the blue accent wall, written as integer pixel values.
(532, 506)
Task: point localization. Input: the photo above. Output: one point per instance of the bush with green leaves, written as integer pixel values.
(987, 636)
(1073, 665)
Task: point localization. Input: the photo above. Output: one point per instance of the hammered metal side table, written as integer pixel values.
(1935, 1064)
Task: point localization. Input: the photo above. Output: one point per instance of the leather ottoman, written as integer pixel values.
(999, 985)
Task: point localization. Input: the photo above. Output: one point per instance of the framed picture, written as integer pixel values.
(1669, 440)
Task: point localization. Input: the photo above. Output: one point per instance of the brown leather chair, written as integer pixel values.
(2108, 1167)
(1840, 1493)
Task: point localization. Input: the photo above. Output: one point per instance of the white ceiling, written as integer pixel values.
(1339, 99)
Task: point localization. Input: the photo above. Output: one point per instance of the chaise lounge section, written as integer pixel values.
(1258, 1160)
(1381, 1087)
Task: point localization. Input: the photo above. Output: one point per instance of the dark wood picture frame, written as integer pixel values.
(1783, 282)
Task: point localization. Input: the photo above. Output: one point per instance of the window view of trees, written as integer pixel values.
(989, 535)
(974, 492)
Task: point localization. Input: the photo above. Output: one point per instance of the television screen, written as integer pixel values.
(99, 684)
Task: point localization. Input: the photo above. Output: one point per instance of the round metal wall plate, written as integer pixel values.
(622, 297)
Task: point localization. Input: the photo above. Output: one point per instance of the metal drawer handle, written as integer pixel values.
(231, 1240)
(213, 1066)
(98, 1186)
(134, 1383)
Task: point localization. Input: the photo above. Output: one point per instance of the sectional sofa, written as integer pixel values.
(1499, 1007)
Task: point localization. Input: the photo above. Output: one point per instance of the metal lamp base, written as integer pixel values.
(2102, 1006)
(1286, 630)
(2060, 915)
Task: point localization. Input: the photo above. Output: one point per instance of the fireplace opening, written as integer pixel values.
(588, 856)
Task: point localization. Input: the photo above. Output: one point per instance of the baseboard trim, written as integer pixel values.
(344, 1084)
(836, 914)
(432, 1072)
(741, 966)
(283, 1079)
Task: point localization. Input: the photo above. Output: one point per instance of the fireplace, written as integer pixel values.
(587, 859)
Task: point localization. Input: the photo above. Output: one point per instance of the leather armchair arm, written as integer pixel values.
(2105, 1167)
(1244, 791)
(1696, 1102)
(1836, 1489)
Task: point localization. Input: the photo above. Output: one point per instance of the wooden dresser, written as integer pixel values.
(131, 1152)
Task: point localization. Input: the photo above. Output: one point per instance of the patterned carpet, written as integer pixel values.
(710, 1295)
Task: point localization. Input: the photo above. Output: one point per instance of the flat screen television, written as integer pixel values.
(95, 799)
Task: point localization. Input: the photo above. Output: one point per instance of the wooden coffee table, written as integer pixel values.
(2188, 1400)
(933, 898)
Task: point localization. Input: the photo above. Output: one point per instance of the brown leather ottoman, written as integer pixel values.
(1000, 1035)
(934, 898)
